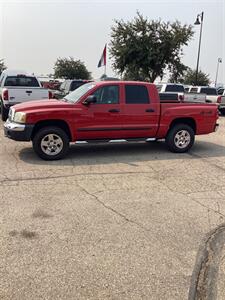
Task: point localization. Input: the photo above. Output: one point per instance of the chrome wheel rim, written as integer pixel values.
(182, 139)
(51, 144)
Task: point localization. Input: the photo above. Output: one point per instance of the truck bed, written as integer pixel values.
(202, 114)
(23, 94)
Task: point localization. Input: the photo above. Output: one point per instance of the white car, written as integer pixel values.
(181, 91)
(17, 87)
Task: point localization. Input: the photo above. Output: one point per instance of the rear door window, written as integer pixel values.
(136, 94)
(21, 81)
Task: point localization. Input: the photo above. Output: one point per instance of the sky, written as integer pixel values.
(34, 33)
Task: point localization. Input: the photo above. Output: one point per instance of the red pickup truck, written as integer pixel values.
(104, 111)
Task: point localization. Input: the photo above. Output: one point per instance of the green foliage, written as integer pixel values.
(69, 68)
(143, 49)
(177, 73)
(190, 75)
(2, 66)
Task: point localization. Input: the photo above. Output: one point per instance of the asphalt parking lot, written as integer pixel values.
(115, 221)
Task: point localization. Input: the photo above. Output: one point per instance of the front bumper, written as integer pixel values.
(18, 132)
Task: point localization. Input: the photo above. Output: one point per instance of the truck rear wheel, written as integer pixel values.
(4, 112)
(51, 143)
(180, 138)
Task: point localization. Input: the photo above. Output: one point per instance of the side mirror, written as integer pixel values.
(90, 99)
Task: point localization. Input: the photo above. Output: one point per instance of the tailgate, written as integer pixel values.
(18, 95)
(211, 98)
(198, 98)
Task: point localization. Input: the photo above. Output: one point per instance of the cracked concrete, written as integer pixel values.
(205, 274)
(120, 221)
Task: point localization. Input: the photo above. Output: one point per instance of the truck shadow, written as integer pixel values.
(127, 153)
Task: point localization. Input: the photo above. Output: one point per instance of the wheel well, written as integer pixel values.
(189, 121)
(57, 123)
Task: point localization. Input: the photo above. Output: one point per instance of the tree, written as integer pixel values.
(190, 75)
(69, 68)
(143, 49)
(178, 73)
(2, 66)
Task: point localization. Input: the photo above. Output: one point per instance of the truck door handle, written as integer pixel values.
(150, 110)
(29, 92)
(114, 110)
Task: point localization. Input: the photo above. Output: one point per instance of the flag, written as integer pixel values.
(219, 60)
(102, 61)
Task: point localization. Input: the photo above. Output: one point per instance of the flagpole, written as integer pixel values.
(105, 57)
(217, 70)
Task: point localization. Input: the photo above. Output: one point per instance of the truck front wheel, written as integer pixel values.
(180, 138)
(51, 143)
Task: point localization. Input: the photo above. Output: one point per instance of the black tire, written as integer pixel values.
(4, 112)
(174, 138)
(42, 137)
(222, 111)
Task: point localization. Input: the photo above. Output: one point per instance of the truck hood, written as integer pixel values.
(42, 105)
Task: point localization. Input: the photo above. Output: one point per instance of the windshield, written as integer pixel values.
(21, 81)
(74, 96)
(174, 88)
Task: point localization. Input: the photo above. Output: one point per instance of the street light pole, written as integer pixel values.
(217, 69)
(197, 22)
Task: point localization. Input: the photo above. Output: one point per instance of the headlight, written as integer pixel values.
(19, 117)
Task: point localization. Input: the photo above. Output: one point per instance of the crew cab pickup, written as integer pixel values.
(183, 95)
(105, 111)
(211, 93)
(17, 87)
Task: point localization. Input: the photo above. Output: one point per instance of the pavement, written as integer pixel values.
(113, 221)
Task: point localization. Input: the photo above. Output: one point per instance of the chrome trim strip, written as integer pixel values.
(14, 126)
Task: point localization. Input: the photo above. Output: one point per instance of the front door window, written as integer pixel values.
(107, 95)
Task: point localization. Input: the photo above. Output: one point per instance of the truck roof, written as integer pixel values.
(205, 86)
(16, 73)
(169, 83)
(122, 81)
